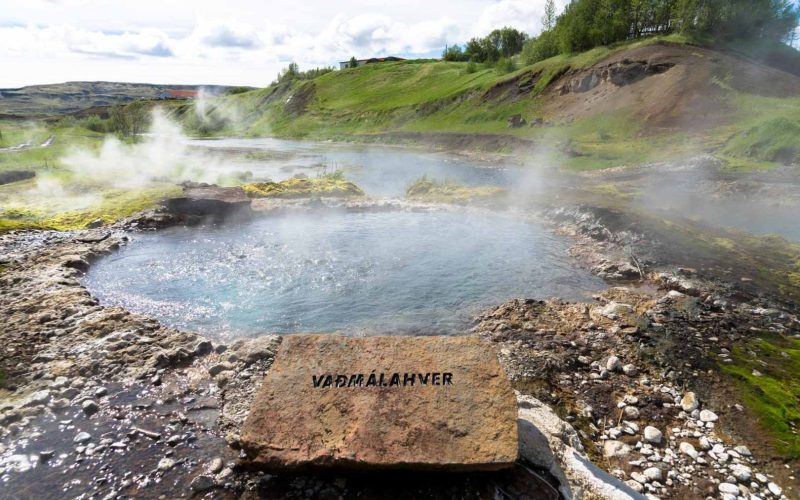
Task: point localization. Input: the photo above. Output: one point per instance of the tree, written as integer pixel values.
(549, 18)
(353, 63)
(454, 53)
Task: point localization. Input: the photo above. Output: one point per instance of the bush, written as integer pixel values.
(505, 65)
(471, 67)
(95, 124)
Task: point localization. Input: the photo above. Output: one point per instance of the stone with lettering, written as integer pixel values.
(328, 401)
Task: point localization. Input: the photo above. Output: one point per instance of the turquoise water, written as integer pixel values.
(372, 273)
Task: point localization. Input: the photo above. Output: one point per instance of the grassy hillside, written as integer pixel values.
(705, 101)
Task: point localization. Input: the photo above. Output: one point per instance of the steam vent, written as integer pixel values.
(383, 403)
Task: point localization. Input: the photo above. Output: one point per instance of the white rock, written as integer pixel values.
(742, 473)
(742, 450)
(630, 370)
(689, 402)
(730, 489)
(775, 489)
(612, 448)
(688, 449)
(635, 485)
(631, 412)
(761, 478)
(653, 474)
(652, 434)
(613, 364)
(630, 399)
(705, 444)
(708, 416)
(166, 464)
(639, 477)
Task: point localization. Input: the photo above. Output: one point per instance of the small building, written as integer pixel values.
(361, 62)
(179, 94)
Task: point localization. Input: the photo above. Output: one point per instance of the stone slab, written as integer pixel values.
(330, 401)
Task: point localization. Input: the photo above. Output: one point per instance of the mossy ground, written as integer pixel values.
(767, 371)
(332, 185)
(429, 190)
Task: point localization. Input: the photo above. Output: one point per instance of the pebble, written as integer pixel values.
(742, 473)
(215, 465)
(614, 448)
(742, 450)
(630, 370)
(100, 392)
(639, 477)
(631, 412)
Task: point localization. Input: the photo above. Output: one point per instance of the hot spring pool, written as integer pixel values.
(389, 272)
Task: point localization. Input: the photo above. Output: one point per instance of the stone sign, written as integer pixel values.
(383, 402)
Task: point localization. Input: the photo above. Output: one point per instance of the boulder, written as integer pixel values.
(330, 401)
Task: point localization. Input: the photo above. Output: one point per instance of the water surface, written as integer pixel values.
(392, 273)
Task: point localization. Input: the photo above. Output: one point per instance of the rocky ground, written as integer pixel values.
(101, 403)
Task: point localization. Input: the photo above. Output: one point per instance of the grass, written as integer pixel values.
(774, 394)
(429, 190)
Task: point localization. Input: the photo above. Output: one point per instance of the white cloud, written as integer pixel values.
(235, 42)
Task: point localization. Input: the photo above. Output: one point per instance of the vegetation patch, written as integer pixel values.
(774, 140)
(430, 190)
(767, 370)
(327, 185)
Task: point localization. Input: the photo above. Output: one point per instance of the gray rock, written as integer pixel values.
(742, 450)
(742, 473)
(90, 407)
(166, 464)
(630, 370)
(639, 477)
(82, 437)
(202, 483)
(631, 412)
(652, 434)
(215, 465)
(613, 448)
(613, 364)
(37, 398)
(653, 474)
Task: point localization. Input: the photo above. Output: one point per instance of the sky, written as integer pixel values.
(231, 42)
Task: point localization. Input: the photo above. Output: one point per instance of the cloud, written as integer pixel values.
(230, 35)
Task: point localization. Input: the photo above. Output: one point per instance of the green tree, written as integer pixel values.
(549, 18)
(454, 53)
(353, 63)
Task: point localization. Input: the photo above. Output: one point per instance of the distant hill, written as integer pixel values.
(69, 97)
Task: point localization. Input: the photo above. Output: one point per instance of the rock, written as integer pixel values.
(653, 474)
(688, 449)
(613, 310)
(166, 464)
(635, 486)
(90, 407)
(100, 392)
(761, 478)
(46, 455)
(639, 477)
(516, 121)
(742, 473)
(652, 435)
(82, 437)
(775, 489)
(728, 488)
(613, 364)
(742, 450)
(689, 402)
(425, 402)
(631, 412)
(613, 448)
(95, 224)
(252, 350)
(215, 465)
(630, 370)
(174, 440)
(708, 416)
(210, 201)
(552, 444)
(219, 368)
(37, 398)
(202, 483)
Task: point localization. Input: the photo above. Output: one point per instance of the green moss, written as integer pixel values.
(332, 185)
(429, 190)
(772, 140)
(772, 391)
